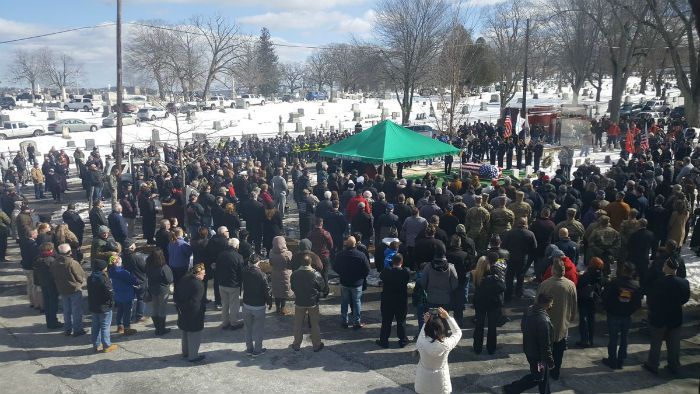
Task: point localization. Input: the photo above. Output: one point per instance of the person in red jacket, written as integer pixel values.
(570, 272)
(355, 201)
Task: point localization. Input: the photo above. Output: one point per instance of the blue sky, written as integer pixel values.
(305, 22)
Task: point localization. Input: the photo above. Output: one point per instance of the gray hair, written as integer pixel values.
(234, 243)
(221, 230)
(64, 249)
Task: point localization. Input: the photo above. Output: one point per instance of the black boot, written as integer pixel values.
(163, 329)
(156, 324)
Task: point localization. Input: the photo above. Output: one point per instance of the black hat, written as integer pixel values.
(127, 243)
(99, 265)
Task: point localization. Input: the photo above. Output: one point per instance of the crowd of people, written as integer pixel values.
(594, 240)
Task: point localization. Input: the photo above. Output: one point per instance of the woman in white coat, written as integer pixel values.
(433, 372)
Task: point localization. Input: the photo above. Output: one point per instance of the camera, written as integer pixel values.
(433, 312)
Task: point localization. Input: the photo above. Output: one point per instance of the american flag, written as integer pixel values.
(509, 127)
(483, 170)
(644, 143)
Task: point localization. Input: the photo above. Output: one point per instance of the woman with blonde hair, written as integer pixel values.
(676, 224)
(231, 220)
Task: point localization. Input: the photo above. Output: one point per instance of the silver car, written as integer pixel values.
(73, 125)
(111, 120)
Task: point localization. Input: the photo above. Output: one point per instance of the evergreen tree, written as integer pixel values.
(267, 62)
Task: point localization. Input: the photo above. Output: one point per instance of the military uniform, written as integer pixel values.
(627, 228)
(575, 228)
(476, 223)
(605, 243)
(520, 208)
(501, 220)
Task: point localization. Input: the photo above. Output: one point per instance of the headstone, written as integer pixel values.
(89, 144)
(222, 110)
(385, 113)
(43, 107)
(4, 118)
(320, 111)
(300, 111)
(217, 125)
(535, 96)
(608, 160)
(484, 106)
(357, 116)
(332, 129)
(299, 127)
(280, 128)
(355, 107)
(155, 135)
(52, 115)
(65, 132)
(394, 115)
(308, 130)
(250, 117)
(293, 117)
(70, 144)
(465, 110)
(565, 96)
(495, 98)
(380, 105)
(199, 137)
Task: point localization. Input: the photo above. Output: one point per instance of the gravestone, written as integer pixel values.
(155, 135)
(355, 107)
(320, 111)
(222, 110)
(65, 132)
(308, 130)
(299, 127)
(608, 160)
(4, 118)
(293, 117)
(394, 115)
(70, 144)
(385, 113)
(357, 116)
(300, 111)
(89, 144)
(380, 105)
(465, 110)
(495, 98)
(535, 96)
(484, 106)
(332, 129)
(217, 125)
(52, 115)
(565, 96)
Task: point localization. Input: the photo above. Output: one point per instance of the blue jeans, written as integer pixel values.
(38, 190)
(618, 326)
(350, 295)
(140, 308)
(124, 314)
(100, 329)
(73, 312)
(94, 193)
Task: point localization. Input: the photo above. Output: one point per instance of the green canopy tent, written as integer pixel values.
(387, 142)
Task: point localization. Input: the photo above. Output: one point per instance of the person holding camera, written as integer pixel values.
(537, 346)
(434, 346)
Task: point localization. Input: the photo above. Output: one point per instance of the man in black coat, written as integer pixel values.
(136, 265)
(521, 243)
(352, 266)
(117, 224)
(100, 304)
(190, 305)
(639, 247)
(537, 346)
(75, 223)
(147, 208)
(229, 266)
(426, 247)
(253, 212)
(394, 301)
(97, 217)
(666, 299)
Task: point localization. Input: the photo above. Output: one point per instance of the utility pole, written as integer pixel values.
(120, 90)
(523, 111)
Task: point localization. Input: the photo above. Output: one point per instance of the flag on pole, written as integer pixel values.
(644, 143)
(508, 127)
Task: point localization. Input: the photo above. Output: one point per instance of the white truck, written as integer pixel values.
(247, 100)
(85, 104)
(216, 101)
(20, 129)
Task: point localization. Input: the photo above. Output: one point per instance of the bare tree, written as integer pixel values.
(246, 68)
(621, 36)
(318, 70)
(26, 66)
(292, 75)
(575, 36)
(675, 22)
(409, 33)
(601, 67)
(506, 29)
(147, 53)
(222, 41)
(184, 59)
(59, 70)
(344, 65)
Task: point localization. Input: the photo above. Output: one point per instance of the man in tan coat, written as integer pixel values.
(562, 314)
(38, 180)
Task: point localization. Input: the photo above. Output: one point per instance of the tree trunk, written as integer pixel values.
(599, 88)
(657, 86)
(31, 99)
(692, 109)
(618, 88)
(643, 83)
(159, 83)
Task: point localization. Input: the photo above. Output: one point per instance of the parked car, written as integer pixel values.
(73, 125)
(127, 108)
(677, 113)
(7, 103)
(423, 129)
(287, 98)
(28, 96)
(216, 101)
(111, 120)
(85, 104)
(20, 129)
(311, 96)
(648, 115)
(629, 110)
(152, 113)
(247, 100)
(657, 106)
